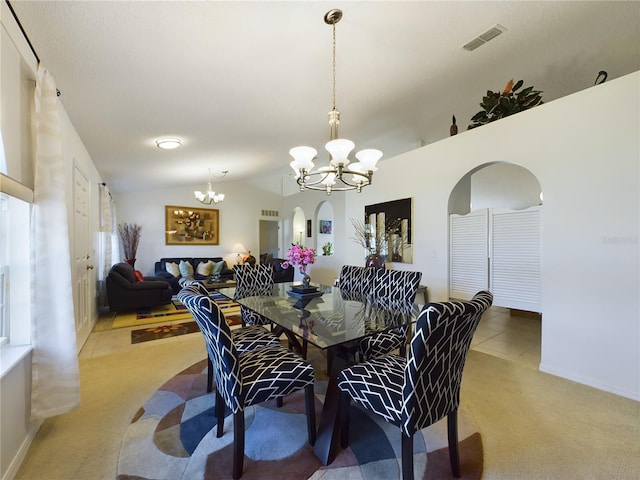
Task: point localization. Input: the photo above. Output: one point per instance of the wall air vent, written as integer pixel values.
(484, 37)
(270, 213)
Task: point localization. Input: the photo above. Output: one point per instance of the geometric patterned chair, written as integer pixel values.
(253, 280)
(248, 378)
(393, 290)
(415, 392)
(246, 338)
(356, 282)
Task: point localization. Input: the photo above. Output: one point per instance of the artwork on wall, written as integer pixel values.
(192, 226)
(325, 227)
(389, 226)
(308, 228)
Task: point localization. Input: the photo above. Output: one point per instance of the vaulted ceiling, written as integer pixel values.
(242, 82)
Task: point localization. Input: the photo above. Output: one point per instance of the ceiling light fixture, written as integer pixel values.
(168, 143)
(325, 178)
(210, 196)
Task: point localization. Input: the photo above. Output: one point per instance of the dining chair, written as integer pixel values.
(246, 338)
(415, 392)
(253, 280)
(245, 379)
(393, 291)
(355, 282)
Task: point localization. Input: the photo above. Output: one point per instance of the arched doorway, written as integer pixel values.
(495, 243)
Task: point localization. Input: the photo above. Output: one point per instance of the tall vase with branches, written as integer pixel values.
(130, 237)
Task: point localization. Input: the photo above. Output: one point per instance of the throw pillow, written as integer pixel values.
(205, 268)
(218, 268)
(138, 275)
(186, 269)
(173, 269)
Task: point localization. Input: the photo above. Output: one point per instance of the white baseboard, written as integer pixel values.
(12, 471)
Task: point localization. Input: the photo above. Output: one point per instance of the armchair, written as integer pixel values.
(124, 292)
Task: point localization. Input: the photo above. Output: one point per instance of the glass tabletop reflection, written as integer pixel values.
(326, 318)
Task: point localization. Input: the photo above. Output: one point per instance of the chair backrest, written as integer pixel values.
(194, 285)
(395, 289)
(220, 347)
(355, 282)
(436, 359)
(253, 280)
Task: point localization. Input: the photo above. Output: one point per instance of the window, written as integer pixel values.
(15, 270)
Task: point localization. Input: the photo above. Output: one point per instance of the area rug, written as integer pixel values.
(172, 436)
(157, 332)
(169, 313)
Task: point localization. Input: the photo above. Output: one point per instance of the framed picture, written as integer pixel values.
(325, 227)
(191, 226)
(308, 228)
(390, 226)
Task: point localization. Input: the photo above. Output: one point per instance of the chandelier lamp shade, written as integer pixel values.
(210, 196)
(340, 174)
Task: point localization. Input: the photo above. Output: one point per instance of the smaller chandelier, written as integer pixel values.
(210, 196)
(338, 175)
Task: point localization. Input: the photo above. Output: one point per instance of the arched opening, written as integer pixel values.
(494, 243)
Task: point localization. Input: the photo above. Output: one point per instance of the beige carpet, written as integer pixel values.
(534, 426)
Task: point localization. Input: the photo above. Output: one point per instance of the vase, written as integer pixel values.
(131, 261)
(374, 260)
(306, 280)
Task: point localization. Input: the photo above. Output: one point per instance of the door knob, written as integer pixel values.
(89, 267)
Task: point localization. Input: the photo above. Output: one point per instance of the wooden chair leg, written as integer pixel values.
(452, 433)
(238, 444)
(209, 375)
(407, 457)
(219, 410)
(279, 402)
(310, 404)
(344, 414)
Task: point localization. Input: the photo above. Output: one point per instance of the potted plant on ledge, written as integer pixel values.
(497, 105)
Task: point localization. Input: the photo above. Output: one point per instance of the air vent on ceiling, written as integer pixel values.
(484, 37)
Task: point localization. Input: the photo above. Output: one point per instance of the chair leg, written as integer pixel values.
(344, 414)
(279, 402)
(219, 409)
(407, 457)
(209, 375)
(310, 404)
(238, 444)
(452, 433)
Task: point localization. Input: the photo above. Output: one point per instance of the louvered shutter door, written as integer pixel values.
(468, 254)
(515, 259)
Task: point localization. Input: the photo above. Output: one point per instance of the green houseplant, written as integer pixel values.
(327, 249)
(496, 105)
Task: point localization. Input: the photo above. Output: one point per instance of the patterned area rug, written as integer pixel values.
(169, 313)
(172, 437)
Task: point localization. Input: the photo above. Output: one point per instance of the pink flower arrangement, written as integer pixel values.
(300, 257)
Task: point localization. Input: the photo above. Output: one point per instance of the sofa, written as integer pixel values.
(197, 268)
(125, 291)
(279, 274)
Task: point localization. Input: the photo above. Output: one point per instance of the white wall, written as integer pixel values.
(239, 221)
(584, 150)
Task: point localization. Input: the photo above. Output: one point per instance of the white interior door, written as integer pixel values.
(82, 256)
(468, 254)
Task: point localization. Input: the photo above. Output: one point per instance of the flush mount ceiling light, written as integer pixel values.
(210, 196)
(326, 178)
(168, 143)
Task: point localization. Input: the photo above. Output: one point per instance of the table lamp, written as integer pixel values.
(239, 250)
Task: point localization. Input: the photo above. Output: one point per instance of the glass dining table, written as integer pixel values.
(331, 320)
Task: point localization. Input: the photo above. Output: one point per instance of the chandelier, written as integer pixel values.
(338, 175)
(210, 196)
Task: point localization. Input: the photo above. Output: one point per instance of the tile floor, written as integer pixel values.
(509, 335)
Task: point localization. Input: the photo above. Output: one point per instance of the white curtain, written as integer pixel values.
(107, 212)
(55, 376)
